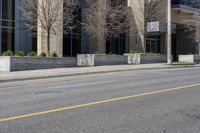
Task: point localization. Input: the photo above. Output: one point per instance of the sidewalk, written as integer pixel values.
(62, 72)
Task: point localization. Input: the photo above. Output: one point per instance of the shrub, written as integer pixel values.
(43, 54)
(8, 53)
(20, 53)
(54, 55)
(32, 53)
(135, 52)
(99, 52)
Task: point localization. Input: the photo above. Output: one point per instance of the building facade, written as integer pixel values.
(13, 32)
(156, 36)
(15, 36)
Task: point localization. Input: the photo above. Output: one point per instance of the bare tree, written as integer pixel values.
(46, 15)
(95, 14)
(193, 23)
(29, 10)
(108, 19)
(70, 20)
(118, 19)
(151, 11)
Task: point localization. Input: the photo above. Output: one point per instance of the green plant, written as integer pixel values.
(146, 53)
(134, 52)
(20, 53)
(8, 53)
(152, 53)
(99, 52)
(32, 53)
(54, 55)
(43, 54)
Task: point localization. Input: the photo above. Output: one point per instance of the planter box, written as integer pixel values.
(146, 58)
(29, 63)
(100, 60)
(189, 58)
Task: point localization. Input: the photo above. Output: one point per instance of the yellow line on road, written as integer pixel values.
(96, 103)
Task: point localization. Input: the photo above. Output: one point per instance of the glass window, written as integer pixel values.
(153, 44)
(8, 24)
(116, 45)
(72, 38)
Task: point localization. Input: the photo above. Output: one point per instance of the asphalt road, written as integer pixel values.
(142, 101)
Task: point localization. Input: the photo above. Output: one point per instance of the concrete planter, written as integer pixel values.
(146, 58)
(189, 58)
(29, 63)
(89, 60)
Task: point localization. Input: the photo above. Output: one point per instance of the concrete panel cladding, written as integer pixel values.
(56, 34)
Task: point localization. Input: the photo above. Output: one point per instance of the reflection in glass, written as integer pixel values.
(8, 24)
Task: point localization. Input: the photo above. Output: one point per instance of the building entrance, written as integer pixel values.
(153, 44)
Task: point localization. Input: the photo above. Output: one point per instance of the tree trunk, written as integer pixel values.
(48, 42)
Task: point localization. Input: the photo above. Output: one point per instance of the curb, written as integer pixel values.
(87, 73)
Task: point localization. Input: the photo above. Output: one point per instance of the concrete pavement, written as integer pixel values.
(61, 72)
(175, 111)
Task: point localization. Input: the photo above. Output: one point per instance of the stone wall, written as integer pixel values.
(110, 60)
(189, 58)
(100, 60)
(5, 64)
(29, 63)
(146, 58)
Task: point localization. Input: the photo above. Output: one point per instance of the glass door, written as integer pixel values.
(153, 45)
